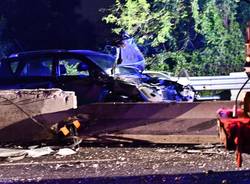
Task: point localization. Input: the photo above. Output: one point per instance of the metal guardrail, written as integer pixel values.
(230, 82)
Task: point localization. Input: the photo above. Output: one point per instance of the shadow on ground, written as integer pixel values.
(210, 177)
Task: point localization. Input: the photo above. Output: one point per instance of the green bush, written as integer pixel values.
(202, 36)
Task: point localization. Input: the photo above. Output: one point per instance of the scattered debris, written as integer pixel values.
(5, 152)
(33, 146)
(38, 152)
(65, 152)
(161, 150)
(194, 151)
(95, 165)
(66, 131)
(12, 154)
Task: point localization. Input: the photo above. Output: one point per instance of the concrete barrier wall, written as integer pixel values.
(34, 102)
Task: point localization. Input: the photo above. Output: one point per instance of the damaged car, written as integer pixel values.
(129, 67)
(93, 76)
(64, 69)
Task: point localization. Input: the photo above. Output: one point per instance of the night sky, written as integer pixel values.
(55, 24)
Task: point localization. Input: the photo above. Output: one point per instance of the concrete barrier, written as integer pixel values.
(19, 107)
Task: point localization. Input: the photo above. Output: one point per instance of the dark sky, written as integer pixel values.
(55, 24)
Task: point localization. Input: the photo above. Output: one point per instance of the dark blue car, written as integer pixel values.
(82, 71)
(91, 75)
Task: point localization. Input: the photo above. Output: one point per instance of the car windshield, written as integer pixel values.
(105, 62)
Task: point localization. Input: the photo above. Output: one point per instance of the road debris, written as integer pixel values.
(38, 152)
(5, 152)
(115, 162)
(65, 152)
(12, 154)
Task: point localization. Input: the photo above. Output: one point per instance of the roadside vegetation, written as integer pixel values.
(205, 37)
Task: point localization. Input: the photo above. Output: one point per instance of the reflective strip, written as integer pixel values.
(64, 130)
(76, 123)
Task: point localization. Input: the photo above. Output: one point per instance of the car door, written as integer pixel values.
(7, 79)
(76, 74)
(35, 72)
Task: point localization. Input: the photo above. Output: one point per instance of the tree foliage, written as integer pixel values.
(203, 36)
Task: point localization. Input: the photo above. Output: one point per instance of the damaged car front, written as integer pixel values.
(151, 88)
(93, 76)
(127, 70)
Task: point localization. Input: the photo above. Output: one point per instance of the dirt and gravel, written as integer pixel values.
(130, 164)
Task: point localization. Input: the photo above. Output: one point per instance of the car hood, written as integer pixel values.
(131, 56)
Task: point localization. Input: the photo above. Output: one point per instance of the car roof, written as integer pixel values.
(102, 60)
(54, 52)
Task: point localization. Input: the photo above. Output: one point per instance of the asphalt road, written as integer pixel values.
(125, 164)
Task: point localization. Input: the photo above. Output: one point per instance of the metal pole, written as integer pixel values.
(247, 46)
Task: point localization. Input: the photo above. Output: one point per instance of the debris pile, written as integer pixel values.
(15, 154)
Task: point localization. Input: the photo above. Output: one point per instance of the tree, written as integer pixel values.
(224, 43)
(202, 36)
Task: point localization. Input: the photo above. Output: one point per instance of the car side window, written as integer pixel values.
(5, 71)
(37, 67)
(73, 67)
